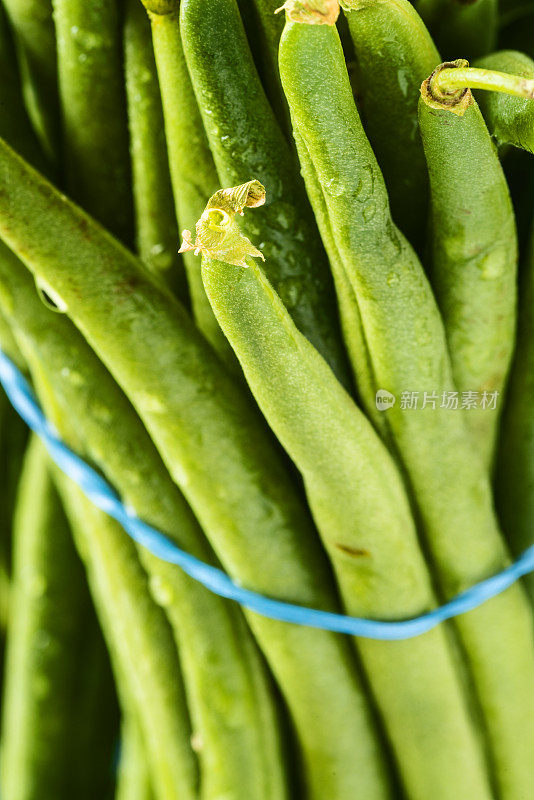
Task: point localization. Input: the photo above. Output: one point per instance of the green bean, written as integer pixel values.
(193, 173)
(247, 142)
(48, 605)
(351, 322)
(358, 501)
(155, 217)
(515, 466)
(5, 537)
(97, 714)
(35, 42)
(10, 348)
(461, 28)
(395, 53)
(231, 704)
(93, 111)
(15, 126)
(133, 780)
(474, 257)
(12, 445)
(138, 637)
(408, 352)
(268, 27)
(93, 728)
(219, 453)
(510, 119)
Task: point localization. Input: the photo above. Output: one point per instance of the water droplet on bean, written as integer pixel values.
(6, 298)
(403, 81)
(34, 585)
(162, 591)
(364, 190)
(369, 212)
(290, 291)
(334, 187)
(49, 297)
(492, 265)
(41, 686)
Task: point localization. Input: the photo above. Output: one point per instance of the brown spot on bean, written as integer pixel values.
(352, 551)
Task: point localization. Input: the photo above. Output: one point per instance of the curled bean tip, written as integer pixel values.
(237, 198)
(311, 12)
(217, 233)
(457, 101)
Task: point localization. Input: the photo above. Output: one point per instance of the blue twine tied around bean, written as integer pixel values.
(104, 497)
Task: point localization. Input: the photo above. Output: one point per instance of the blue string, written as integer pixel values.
(104, 497)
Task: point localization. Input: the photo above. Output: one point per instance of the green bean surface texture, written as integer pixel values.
(49, 605)
(93, 110)
(156, 230)
(227, 685)
(35, 42)
(394, 54)
(192, 170)
(515, 466)
(15, 126)
(510, 120)
(140, 642)
(269, 26)
(133, 782)
(406, 348)
(353, 486)
(266, 268)
(269, 543)
(295, 261)
(474, 258)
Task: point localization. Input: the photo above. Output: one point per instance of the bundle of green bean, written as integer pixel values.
(324, 387)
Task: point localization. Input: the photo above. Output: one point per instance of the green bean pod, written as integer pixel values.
(93, 111)
(461, 28)
(49, 602)
(394, 53)
(510, 120)
(138, 636)
(219, 452)
(156, 231)
(268, 26)
(133, 779)
(13, 434)
(97, 715)
(229, 693)
(35, 40)
(247, 143)
(515, 465)
(193, 173)
(15, 126)
(5, 530)
(358, 501)
(408, 352)
(474, 258)
(351, 322)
